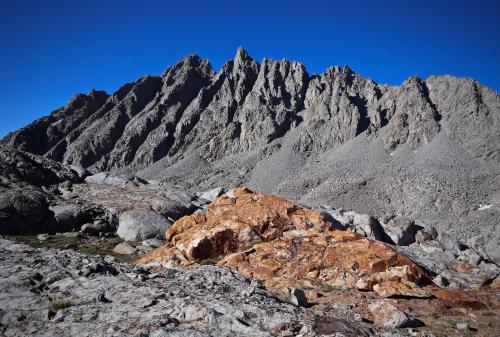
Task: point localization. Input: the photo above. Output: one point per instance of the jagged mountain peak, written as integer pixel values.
(245, 106)
(192, 62)
(242, 55)
(79, 100)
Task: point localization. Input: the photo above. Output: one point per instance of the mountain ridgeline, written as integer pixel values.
(246, 105)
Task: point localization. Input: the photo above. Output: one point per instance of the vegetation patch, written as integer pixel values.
(53, 241)
(327, 288)
(209, 261)
(59, 305)
(487, 313)
(80, 243)
(250, 245)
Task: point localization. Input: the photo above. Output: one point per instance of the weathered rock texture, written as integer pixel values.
(286, 246)
(24, 198)
(63, 293)
(39, 195)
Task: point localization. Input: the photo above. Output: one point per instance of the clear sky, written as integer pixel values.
(51, 50)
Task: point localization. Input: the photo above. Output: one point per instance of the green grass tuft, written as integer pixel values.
(327, 288)
(487, 313)
(250, 245)
(59, 305)
(209, 261)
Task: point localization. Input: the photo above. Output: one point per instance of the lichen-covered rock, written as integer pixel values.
(339, 259)
(286, 246)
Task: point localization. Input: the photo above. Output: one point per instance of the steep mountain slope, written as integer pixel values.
(428, 149)
(246, 105)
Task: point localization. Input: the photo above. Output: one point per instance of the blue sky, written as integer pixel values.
(52, 50)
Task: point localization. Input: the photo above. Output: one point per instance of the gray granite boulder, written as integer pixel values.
(23, 210)
(402, 231)
(142, 224)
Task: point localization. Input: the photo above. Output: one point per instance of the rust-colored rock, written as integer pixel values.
(458, 298)
(308, 258)
(287, 246)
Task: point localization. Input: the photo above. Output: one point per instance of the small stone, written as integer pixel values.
(357, 317)
(463, 326)
(144, 249)
(124, 248)
(43, 237)
(230, 193)
(71, 234)
(428, 233)
(102, 298)
(257, 284)
(402, 231)
(440, 281)
(153, 243)
(95, 228)
(306, 329)
(387, 315)
(109, 259)
(212, 194)
(248, 292)
(153, 276)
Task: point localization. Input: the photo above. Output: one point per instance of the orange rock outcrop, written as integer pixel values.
(287, 246)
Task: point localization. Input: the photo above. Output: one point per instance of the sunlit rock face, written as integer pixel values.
(287, 246)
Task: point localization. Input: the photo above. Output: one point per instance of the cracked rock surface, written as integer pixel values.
(64, 293)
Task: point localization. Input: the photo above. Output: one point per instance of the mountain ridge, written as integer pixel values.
(158, 116)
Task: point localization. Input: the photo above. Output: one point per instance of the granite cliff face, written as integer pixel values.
(246, 105)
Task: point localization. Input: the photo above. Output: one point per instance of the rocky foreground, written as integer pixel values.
(313, 258)
(46, 292)
(63, 293)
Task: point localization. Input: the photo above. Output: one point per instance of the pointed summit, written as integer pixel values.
(244, 61)
(192, 62)
(242, 55)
